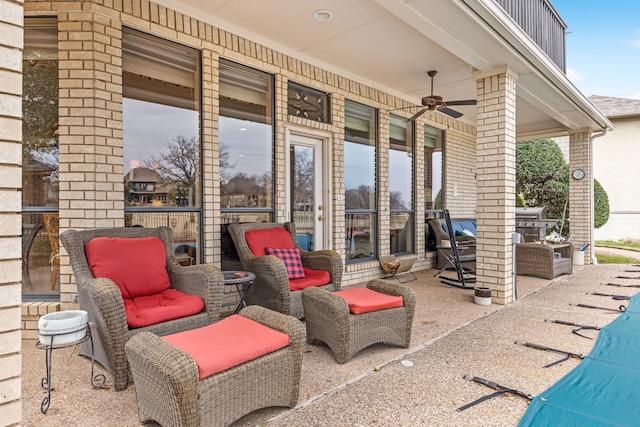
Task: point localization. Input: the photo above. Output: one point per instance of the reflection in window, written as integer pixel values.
(401, 185)
(360, 147)
(161, 136)
(433, 162)
(246, 150)
(433, 168)
(40, 164)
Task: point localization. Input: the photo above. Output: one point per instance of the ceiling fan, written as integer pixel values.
(435, 102)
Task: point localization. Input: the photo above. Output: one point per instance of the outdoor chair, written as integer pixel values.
(278, 286)
(129, 281)
(545, 261)
(214, 375)
(350, 320)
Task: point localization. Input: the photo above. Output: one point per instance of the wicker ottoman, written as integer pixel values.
(328, 319)
(170, 392)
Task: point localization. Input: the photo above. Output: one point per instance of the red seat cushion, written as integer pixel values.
(228, 343)
(365, 300)
(138, 266)
(311, 278)
(166, 305)
(291, 259)
(258, 240)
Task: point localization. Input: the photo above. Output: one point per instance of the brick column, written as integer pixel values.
(90, 115)
(496, 155)
(11, 42)
(581, 191)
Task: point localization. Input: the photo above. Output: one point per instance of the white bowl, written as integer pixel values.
(62, 327)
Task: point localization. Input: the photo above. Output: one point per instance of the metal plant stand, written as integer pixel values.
(97, 381)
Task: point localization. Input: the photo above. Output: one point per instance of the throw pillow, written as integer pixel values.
(291, 259)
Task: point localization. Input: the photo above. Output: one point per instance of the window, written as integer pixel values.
(401, 175)
(246, 151)
(433, 179)
(433, 161)
(40, 164)
(360, 152)
(307, 102)
(161, 136)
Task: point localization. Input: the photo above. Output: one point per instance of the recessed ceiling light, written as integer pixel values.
(322, 15)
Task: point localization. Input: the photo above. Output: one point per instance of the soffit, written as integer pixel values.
(391, 44)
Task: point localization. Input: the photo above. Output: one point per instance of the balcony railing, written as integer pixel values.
(540, 20)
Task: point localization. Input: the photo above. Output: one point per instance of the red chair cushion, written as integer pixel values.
(258, 240)
(138, 266)
(365, 300)
(291, 259)
(228, 343)
(167, 305)
(311, 278)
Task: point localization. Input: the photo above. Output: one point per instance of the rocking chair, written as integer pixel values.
(464, 276)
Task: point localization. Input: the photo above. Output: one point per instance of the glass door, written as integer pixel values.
(306, 190)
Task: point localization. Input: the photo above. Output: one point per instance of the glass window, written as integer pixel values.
(40, 165)
(433, 162)
(433, 179)
(246, 151)
(401, 185)
(161, 137)
(307, 102)
(360, 150)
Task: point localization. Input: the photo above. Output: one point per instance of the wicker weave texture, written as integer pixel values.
(271, 287)
(169, 392)
(328, 320)
(102, 299)
(537, 260)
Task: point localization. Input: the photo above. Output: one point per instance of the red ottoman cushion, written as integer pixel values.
(365, 300)
(228, 343)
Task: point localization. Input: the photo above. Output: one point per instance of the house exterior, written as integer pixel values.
(614, 168)
(317, 118)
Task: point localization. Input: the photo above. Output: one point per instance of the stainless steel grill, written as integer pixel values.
(532, 224)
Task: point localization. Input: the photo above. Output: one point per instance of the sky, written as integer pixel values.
(603, 46)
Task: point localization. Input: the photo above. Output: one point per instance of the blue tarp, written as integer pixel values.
(604, 389)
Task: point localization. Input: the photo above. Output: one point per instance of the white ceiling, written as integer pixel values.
(391, 44)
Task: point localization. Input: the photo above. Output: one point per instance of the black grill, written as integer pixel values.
(532, 224)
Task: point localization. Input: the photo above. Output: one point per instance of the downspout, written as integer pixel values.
(594, 260)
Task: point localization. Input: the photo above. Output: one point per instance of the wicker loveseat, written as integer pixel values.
(538, 260)
(272, 287)
(104, 302)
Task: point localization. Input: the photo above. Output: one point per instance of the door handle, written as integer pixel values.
(321, 218)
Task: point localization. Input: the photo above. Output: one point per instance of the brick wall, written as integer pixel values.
(496, 114)
(11, 41)
(580, 191)
(91, 164)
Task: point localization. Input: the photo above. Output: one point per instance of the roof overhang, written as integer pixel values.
(391, 44)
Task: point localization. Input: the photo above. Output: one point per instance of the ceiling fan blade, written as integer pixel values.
(465, 102)
(449, 112)
(418, 114)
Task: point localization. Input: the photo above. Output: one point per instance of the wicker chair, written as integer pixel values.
(271, 287)
(169, 391)
(102, 298)
(538, 260)
(330, 321)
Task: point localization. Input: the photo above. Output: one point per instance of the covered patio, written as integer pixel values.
(452, 337)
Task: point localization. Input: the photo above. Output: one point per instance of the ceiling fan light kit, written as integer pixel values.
(435, 102)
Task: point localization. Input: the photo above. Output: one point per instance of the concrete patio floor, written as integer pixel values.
(452, 337)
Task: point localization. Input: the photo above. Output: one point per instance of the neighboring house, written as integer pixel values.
(145, 186)
(615, 166)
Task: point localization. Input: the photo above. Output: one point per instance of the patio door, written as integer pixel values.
(307, 189)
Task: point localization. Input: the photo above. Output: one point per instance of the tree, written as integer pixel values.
(180, 162)
(542, 180)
